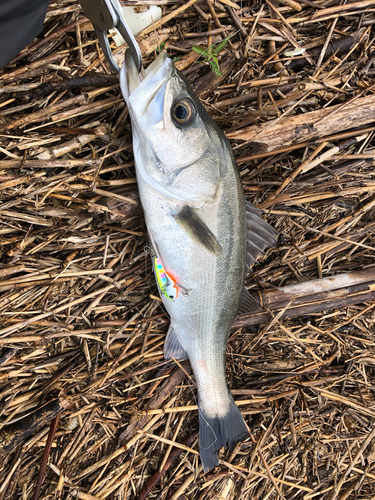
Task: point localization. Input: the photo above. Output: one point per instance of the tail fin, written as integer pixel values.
(217, 432)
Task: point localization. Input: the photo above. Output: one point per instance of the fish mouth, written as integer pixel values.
(145, 95)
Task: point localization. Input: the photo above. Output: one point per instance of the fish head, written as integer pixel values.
(177, 148)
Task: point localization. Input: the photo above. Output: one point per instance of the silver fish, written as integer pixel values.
(202, 232)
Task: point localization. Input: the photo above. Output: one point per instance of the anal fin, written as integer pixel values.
(172, 346)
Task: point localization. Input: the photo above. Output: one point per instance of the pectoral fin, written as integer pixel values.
(197, 229)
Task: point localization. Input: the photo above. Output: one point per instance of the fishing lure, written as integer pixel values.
(167, 284)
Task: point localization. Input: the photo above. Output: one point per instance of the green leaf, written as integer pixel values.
(199, 50)
(160, 48)
(209, 51)
(214, 63)
(220, 46)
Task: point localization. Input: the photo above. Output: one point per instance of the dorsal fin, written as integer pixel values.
(260, 235)
(247, 304)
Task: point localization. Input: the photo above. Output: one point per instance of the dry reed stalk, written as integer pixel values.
(81, 326)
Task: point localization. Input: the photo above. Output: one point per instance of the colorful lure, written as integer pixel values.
(167, 284)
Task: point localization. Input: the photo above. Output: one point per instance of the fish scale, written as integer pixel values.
(195, 213)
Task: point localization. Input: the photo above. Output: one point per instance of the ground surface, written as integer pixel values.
(82, 329)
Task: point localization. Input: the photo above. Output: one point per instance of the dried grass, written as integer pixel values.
(87, 401)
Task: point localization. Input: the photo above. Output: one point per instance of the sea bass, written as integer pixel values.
(203, 235)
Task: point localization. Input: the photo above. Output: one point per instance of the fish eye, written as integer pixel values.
(183, 112)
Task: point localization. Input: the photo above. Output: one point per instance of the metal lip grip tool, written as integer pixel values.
(105, 15)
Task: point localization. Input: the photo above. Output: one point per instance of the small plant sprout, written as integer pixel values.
(210, 55)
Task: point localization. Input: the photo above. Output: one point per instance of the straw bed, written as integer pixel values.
(89, 407)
